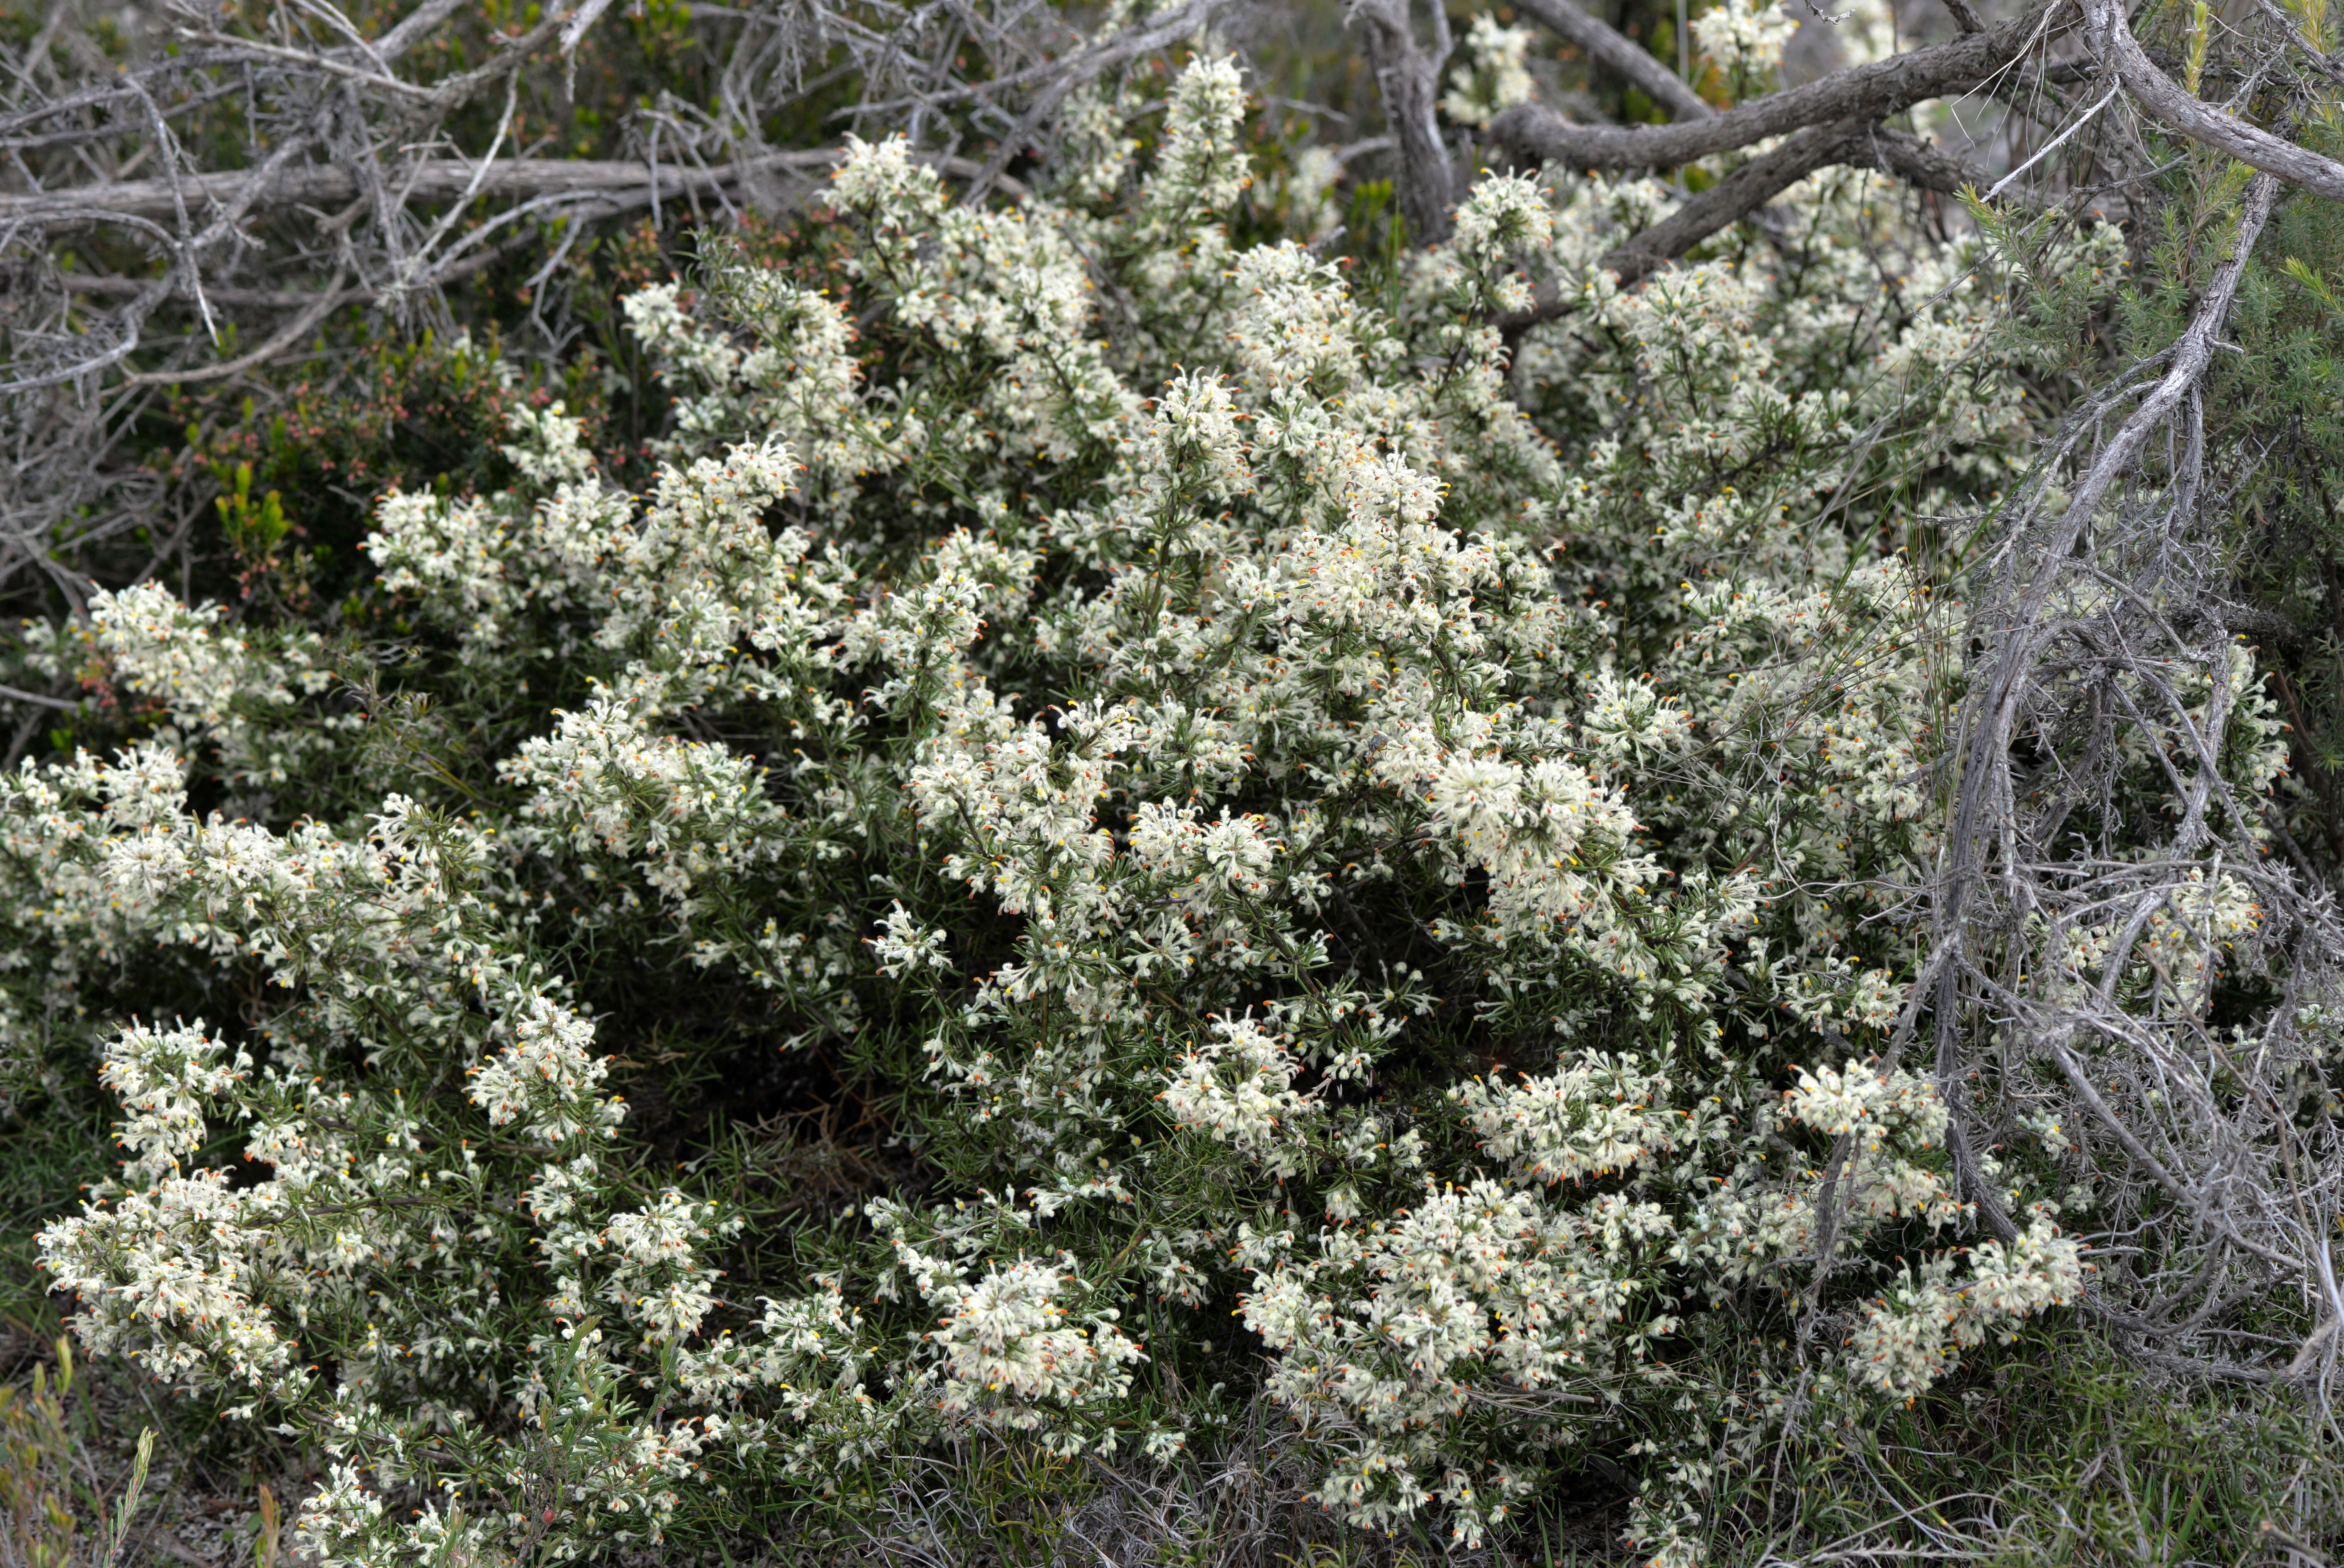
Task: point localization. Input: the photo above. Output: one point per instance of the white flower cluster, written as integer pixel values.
(1004, 1344)
(1385, 1334)
(1909, 1336)
(1745, 36)
(1495, 80)
(163, 1080)
(1238, 1089)
(226, 693)
(1292, 810)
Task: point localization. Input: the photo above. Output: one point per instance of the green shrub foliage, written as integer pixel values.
(1354, 870)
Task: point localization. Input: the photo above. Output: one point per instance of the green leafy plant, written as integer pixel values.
(48, 1485)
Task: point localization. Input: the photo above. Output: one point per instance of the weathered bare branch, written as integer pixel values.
(1761, 179)
(300, 326)
(1735, 197)
(2082, 639)
(1750, 187)
(1620, 56)
(2181, 112)
(429, 183)
(1534, 132)
(346, 164)
(1409, 76)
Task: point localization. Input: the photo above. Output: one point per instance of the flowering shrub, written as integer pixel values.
(1367, 866)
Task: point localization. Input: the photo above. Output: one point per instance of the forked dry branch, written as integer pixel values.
(2096, 626)
(263, 174)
